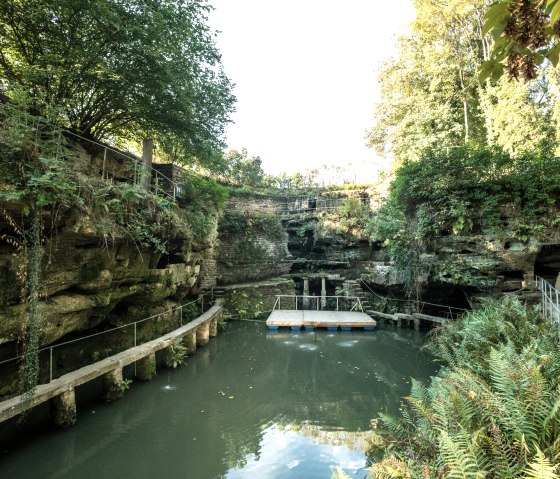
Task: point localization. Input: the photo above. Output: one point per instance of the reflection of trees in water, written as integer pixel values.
(307, 382)
(354, 440)
(240, 447)
(329, 393)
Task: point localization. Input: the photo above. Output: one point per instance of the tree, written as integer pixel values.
(119, 67)
(430, 93)
(243, 169)
(526, 33)
(434, 99)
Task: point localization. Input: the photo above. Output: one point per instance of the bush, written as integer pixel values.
(462, 190)
(492, 411)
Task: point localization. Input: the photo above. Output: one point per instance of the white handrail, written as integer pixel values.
(550, 302)
(305, 299)
(134, 324)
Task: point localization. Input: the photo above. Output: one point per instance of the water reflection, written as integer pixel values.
(292, 445)
(251, 404)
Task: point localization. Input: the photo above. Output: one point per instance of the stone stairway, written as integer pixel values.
(354, 289)
(219, 292)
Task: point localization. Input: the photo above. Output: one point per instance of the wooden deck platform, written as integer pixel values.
(332, 320)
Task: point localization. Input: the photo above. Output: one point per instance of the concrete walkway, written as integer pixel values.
(61, 390)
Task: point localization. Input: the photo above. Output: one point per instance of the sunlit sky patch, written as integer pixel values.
(305, 75)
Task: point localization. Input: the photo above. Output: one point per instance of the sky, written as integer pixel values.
(305, 76)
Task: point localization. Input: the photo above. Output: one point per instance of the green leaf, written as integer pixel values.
(496, 15)
(555, 13)
(550, 5)
(487, 69)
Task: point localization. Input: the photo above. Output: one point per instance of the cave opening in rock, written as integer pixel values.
(168, 259)
(441, 295)
(547, 263)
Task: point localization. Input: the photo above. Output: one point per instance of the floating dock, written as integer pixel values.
(331, 320)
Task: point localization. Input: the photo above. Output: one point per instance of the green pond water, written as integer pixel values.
(252, 404)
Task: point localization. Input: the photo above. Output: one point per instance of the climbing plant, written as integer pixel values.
(39, 187)
(40, 184)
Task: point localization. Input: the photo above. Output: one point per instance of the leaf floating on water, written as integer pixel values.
(231, 397)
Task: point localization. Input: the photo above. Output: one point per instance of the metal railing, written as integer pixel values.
(550, 302)
(294, 207)
(452, 311)
(134, 326)
(138, 172)
(135, 172)
(317, 303)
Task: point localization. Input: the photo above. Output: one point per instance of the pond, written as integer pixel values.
(252, 404)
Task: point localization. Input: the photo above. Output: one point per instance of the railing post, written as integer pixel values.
(104, 163)
(134, 334)
(279, 302)
(50, 364)
(547, 300)
(337, 303)
(203, 303)
(295, 297)
(181, 315)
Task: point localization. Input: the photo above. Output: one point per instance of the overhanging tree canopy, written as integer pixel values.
(118, 67)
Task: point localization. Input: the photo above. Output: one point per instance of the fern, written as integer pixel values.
(459, 458)
(541, 468)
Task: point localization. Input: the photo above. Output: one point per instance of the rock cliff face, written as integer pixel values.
(86, 283)
(477, 265)
(89, 281)
(252, 242)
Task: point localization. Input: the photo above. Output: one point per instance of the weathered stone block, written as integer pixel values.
(203, 334)
(190, 342)
(113, 385)
(63, 409)
(146, 367)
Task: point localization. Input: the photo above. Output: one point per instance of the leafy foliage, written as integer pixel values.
(465, 191)
(248, 222)
(432, 97)
(492, 411)
(117, 68)
(42, 183)
(525, 33)
(352, 215)
(242, 169)
(178, 353)
(200, 200)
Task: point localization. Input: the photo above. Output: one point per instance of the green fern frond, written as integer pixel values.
(540, 468)
(458, 459)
